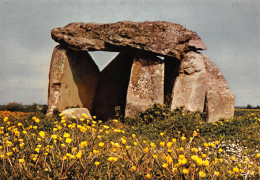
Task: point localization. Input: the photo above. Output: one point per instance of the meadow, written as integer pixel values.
(158, 144)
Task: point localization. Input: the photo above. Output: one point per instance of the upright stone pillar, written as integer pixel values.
(220, 100)
(112, 86)
(146, 86)
(190, 85)
(73, 78)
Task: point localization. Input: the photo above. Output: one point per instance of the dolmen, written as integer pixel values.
(158, 62)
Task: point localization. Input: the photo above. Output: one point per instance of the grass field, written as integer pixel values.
(159, 144)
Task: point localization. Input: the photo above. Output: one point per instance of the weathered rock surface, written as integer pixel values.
(200, 86)
(190, 86)
(76, 112)
(73, 78)
(220, 100)
(146, 86)
(112, 86)
(159, 37)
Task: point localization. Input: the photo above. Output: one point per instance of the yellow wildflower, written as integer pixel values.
(202, 174)
(97, 163)
(169, 144)
(185, 171)
(78, 155)
(66, 135)
(148, 176)
(9, 154)
(42, 134)
(194, 150)
(21, 161)
(37, 120)
(123, 140)
(165, 165)
(236, 170)
(133, 168)
(146, 150)
(174, 170)
(83, 144)
(155, 156)
(110, 159)
(216, 173)
(205, 163)
(68, 140)
(152, 145)
(54, 136)
(21, 145)
(5, 119)
(162, 144)
(101, 144)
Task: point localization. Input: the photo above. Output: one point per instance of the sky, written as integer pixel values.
(229, 28)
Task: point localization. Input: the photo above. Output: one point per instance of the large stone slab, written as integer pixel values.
(200, 86)
(220, 100)
(159, 37)
(190, 86)
(73, 78)
(112, 86)
(146, 86)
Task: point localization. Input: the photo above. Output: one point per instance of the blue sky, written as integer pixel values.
(229, 28)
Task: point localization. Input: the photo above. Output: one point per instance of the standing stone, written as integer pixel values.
(220, 100)
(73, 78)
(189, 89)
(146, 86)
(112, 86)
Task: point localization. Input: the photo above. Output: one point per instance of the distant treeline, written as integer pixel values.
(248, 107)
(15, 106)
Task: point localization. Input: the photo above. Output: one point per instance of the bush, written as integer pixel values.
(19, 107)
